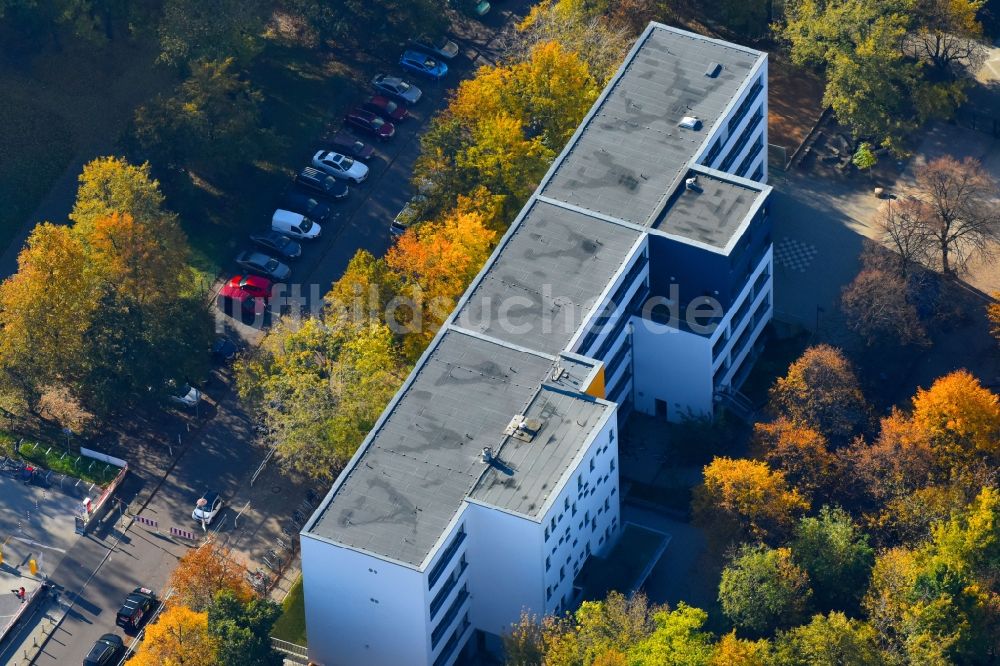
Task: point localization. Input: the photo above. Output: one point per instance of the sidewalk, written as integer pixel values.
(35, 631)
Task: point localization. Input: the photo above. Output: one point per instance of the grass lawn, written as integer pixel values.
(37, 143)
(291, 626)
(60, 104)
(56, 459)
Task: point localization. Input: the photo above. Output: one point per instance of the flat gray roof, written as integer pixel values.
(525, 474)
(424, 457)
(711, 212)
(632, 152)
(556, 262)
(419, 466)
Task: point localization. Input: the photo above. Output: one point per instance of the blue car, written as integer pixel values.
(423, 64)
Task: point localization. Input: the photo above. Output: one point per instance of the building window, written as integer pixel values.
(548, 563)
(546, 534)
(449, 617)
(447, 588)
(562, 573)
(548, 592)
(591, 464)
(745, 105)
(446, 557)
(574, 508)
(612, 464)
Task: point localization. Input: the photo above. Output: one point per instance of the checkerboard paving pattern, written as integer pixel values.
(793, 254)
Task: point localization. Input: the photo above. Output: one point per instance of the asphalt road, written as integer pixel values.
(101, 569)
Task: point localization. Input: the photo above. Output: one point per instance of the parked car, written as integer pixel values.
(107, 650)
(439, 46)
(340, 166)
(348, 144)
(397, 88)
(420, 63)
(184, 395)
(251, 292)
(207, 508)
(368, 122)
(299, 201)
(476, 8)
(224, 350)
(137, 607)
(294, 225)
(263, 264)
(315, 180)
(386, 108)
(405, 217)
(277, 244)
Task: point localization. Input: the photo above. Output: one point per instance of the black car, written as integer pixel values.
(107, 650)
(224, 350)
(348, 144)
(277, 244)
(137, 607)
(304, 203)
(317, 181)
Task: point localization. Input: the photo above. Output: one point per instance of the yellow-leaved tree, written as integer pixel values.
(959, 416)
(179, 637)
(740, 496)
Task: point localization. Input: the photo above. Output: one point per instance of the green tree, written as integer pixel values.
(322, 387)
(369, 22)
(871, 82)
(677, 640)
(864, 158)
(220, 30)
(212, 119)
(762, 589)
(938, 602)
(836, 556)
(830, 640)
(242, 630)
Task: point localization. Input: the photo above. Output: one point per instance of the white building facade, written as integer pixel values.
(637, 277)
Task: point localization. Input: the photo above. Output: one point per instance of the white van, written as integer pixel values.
(294, 225)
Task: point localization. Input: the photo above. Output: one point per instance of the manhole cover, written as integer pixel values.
(276, 489)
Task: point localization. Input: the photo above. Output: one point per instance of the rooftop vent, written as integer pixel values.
(692, 184)
(487, 454)
(690, 122)
(522, 428)
(713, 70)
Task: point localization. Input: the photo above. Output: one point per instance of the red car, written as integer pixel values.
(386, 108)
(366, 121)
(250, 291)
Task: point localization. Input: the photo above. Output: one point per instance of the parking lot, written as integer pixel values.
(218, 449)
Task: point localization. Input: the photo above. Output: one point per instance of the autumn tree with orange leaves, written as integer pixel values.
(205, 571)
(436, 262)
(800, 452)
(821, 391)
